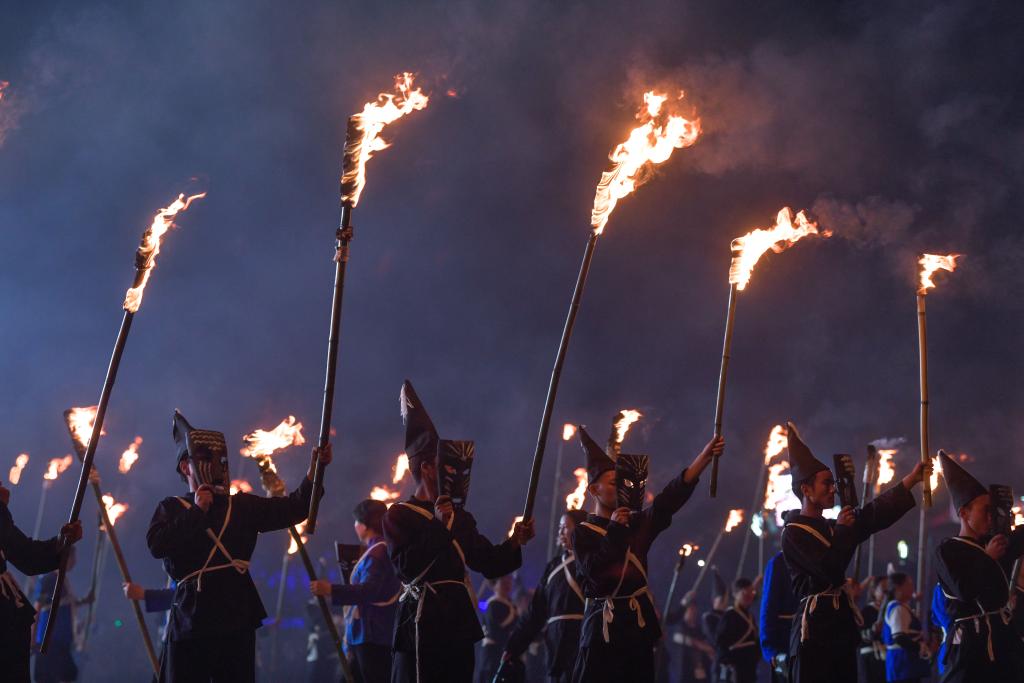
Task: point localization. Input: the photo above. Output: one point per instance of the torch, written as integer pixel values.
(735, 518)
(747, 250)
(649, 144)
(14, 474)
(869, 487)
(260, 445)
(145, 261)
(93, 581)
(776, 444)
(883, 474)
(568, 431)
(362, 139)
(684, 553)
(56, 467)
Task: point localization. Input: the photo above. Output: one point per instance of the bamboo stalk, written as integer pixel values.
(926, 497)
(730, 318)
(868, 481)
(555, 492)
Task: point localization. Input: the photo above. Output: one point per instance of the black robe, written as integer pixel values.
(871, 652)
(424, 551)
(603, 566)
(709, 623)
(695, 664)
(557, 609)
(16, 612)
(976, 584)
(499, 620)
(736, 647)
(825, 637)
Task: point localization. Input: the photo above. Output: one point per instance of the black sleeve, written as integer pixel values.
(709, 626)
(483, 556)
(1016, 547)
(966, 574)
(532, 621)
(413, 545)
(495, 614)
(174, 528)
(882, 512)
(273, 514)
(669, 501)
(29, 556)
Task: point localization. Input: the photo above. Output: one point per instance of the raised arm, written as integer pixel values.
(272, 514)
(380, 584)
(28, 555)
(491, 560)
(174, 528)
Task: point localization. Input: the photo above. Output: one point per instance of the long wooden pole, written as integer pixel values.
(869, 487)
(922, 347)
(30, 581)
(723, 372)
(755, 505)
(707, 560)
(93, 581)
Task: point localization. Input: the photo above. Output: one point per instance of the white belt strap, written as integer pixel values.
(811, 604)
(241, 566)
(565, 617)
(608, 603)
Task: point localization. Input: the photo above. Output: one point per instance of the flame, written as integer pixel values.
(261, 443)
(929, 264)
(80, 422)
(650, 143)
(574, 501)
(369, 123)
(384, 495)
(734, 520)
(625, 421)
(114, 509)
(14, 476)
(748, 249)
(568, 431)
(688, 549)
(778, 492)
(933, 481)
(777, 443)
(130, 455)
(57, 467)
(885, 469)
(145, 257)
(1018, 517)
(293, 547)
(512, 529)
(401, 467)
(239, 486)
(3, 87)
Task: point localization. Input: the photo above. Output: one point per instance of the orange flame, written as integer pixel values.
(145, 257)
(401, 468)
(384, 495)
(748, 249)
(114, 509)
(3, 87)
(512, 529)
(929, 264)
(1018, 517)
(14, 476)
(130, 455)
(293, 547)
(57, 467)
(688, 549)
(933, 481)
(261, 443)
(625, 421)
(81, 422)
(648, 144)
(885, 469)
(568, 431)
(734, 520)
(386, 109)
(777, 443)
(574, 501)
(239, 486)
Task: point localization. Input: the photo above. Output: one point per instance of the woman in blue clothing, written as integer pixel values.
(907, 657)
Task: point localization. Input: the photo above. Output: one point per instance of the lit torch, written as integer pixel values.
(129, 456)
(362, 140)
(568, 431)
(575, 500)
(776, 445)
(624, 419)
(651, 143)
(239, 486)
(401, 468)
(684, 552)
(734, 519)
(14, 476)
(145, 260)
(747, 250)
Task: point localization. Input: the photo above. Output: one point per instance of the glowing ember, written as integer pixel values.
(145, 257)
(748, 249)
(261, 443)
(512, 529)
(568, 431)
(650, 143)
(933, 481)
(885, 469)
(688, 549)
(384, 495)
(929, 264)
(734, 520)
(574, 501)
(3, 87)
(57, 467)
(130, 455)
(368, 124)
(14, 476)
(239, 486)
(777, 443)
(778, 493)
(114, 509)
(80, 422)
(293, 547)
(401, 468)
(625, 421)
(1018, 516)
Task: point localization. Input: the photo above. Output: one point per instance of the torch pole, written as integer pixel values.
(723, 372)
(96, 556)
(869, 488)
(36, 528)
(672, 587)
(555, 490)
(556, 374)
(342, 237)
(277, 614)
(926, 491)
(754, 505)
(707, 560)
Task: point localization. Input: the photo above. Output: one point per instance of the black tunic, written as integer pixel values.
(709, 623)
(736, 648)
(975, 585)
(222, 602)
(557, 609)
(826, 647)
(871, 653)
(695, 663)
(499, 620)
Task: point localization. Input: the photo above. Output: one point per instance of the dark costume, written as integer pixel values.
(16, 612)
(217, 609)
(736, 654)
(556, 609)
(906, 658)
(709, 620)
(57, 664)
(871, 654)
(620, 626)
(499, 620)
(825, 638)
(778, 607)
(981, 642)
(695, 664)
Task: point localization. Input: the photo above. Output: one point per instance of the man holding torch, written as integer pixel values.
(620, 625)
(205, 540)
(825, 637)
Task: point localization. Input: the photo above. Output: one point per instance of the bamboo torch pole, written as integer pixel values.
(755, 505)
(683, 554)
(869, 487)
(707, 561)
(926, 491)
(94, 580)
(730, 318)
(555, 491)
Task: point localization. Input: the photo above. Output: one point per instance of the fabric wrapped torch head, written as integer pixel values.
(631, 480)
(421, 438)
(454, 464)
(963, 488)
(802, 462)
(206, 450)
(598, 461)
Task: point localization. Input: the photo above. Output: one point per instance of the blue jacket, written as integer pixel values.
(778, 605)
(372, 595)
(940, 617)
(159, 599)
(901, 634)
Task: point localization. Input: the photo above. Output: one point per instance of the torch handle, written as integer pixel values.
(671, 592)
(755, 505)
(922, 348)
(723, 373)
(868, 490)
(343, 237)
(556, 374)
(707, 561)
(93, 580)
(90, 454)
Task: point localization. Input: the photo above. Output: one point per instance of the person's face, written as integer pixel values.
(978, 514)
(362, 531)
(503, 586)
(604, 490)
(746, 597)
(428, 477)
(905, 591)
(880, 590)
(822, 491)
(565, 528)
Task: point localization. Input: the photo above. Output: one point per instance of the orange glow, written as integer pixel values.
(3, 87)
(688, 549)
(885, 469)
(114, 509)
(1018, 517)
(401, 468)
(80, 421)
(14, 476)
(929, 264)
(239, 486)
(777, 443)
(748, 249)
(293, 547)
(57, 467)
(648, 144)
(574, 501)
(386, 109)
(625, 421)
(384, 495)
(568, 431)
(145, 259)
(261, 443)
(734, 520)
(512, 529)
(933, 481)
(130, 455)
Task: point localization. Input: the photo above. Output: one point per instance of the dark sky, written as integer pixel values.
(899, 124)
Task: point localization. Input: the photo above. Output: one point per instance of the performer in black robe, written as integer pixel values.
(719, 603)
(205, 540)
(432, 544)
(736, 641)
(16, 612)
(981, 643)
(500, 615)
(825, 635)
(871, 655)
(620, 626)
(696, 654)
(556, 608)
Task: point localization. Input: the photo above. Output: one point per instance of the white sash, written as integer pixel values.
(608, 602)
(241, 566)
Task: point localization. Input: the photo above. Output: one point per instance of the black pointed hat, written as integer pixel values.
(420, 435)
(718, 587)
(963, 488)
(802, 463)
(598, 461)
(191, 441)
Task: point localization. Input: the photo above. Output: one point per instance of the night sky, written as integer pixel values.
(899, 125)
